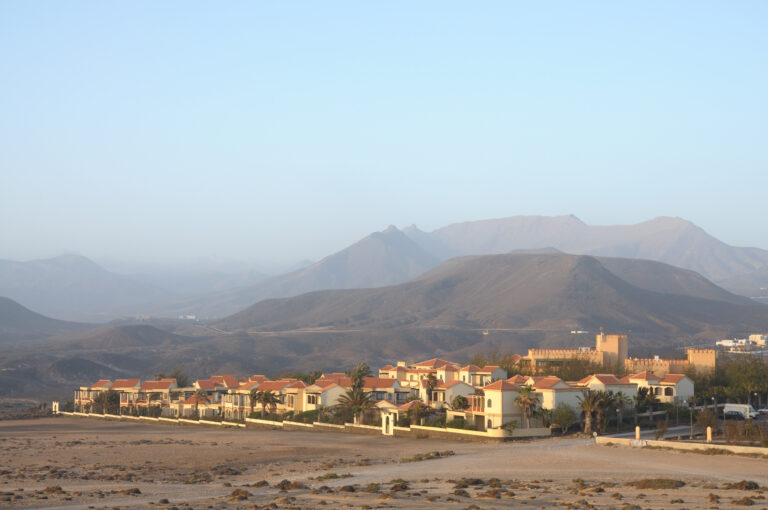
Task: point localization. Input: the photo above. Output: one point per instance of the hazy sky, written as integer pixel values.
(271, 131)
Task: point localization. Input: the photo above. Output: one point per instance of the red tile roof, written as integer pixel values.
(408, 405)
(101, 383)
(341, 380)
(273, 385)
(258, 378)
(547, 382)
(228, 380)
(433, 363)
(206, 384)
(297, 385)
(325, 383)
(646, 376)
(672, 378)
(378, 382)
(248, 386)
(471, 368)
(501, 385)
(518, 379)
(162, 384)
(446, 385)
(388, 367)
(125, 383)
(488, 369)
(192, 398)
(608, 379)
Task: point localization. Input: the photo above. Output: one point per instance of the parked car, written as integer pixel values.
(733, 415)
(746, 410)
(763, 411)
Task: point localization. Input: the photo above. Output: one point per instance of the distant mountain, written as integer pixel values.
(380, 259)
(671, 240)
(754, 284)
(75, 288)
(19, 323)
(542, 292)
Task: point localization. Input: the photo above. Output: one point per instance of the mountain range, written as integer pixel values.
(75, 288)
(548, 292)
(467, 305)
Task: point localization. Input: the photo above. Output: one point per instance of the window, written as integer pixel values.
(489, 425)
(311, 399)
(669, 392)
(488, 404)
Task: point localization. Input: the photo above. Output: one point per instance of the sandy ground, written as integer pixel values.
(86, 463)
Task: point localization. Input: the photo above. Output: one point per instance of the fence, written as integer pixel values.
(682, 445)
(414, 431)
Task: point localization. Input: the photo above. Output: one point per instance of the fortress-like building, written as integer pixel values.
(611, 351)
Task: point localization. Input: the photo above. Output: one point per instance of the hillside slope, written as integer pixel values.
(670, 240)
(380, 259)
(20, 323)
(547, 292)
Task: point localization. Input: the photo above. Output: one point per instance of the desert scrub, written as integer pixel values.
(429, 455)
(744, 485)
(333, 476)
(656, 483)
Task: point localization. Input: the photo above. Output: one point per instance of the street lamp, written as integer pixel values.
(691, 407)
(618, 419)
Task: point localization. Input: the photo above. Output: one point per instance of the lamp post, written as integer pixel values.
(618, 419)
(691, 408)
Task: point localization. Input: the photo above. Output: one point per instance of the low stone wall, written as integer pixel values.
(253, 423)
(681, 445)
(295, 425)
(328, 427)
(415, 431)
(362, 429)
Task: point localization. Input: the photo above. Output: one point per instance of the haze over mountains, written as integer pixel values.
(522, 291)
(74, 288)
(464, 306)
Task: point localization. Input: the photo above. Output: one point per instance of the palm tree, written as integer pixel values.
(527, 401)
(253, 397)
(200, 396)
(588, 403)
(358, 375)
(604, 401)
(417, 413)
(356, 401)
(430, 383)
(459, 403)
(152, 397)
(267, 399)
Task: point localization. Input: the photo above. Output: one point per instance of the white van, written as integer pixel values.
(746, 410)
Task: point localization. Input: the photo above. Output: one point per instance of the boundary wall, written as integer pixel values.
(414, 431)
(681, 445)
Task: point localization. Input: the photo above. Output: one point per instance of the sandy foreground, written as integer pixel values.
(86, 463)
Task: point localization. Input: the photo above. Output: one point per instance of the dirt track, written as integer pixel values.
(136, 465)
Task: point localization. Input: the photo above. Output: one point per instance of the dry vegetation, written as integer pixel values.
(87, 463)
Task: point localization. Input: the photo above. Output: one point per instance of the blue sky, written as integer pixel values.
(278, 131)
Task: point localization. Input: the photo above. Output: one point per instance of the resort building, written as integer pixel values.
(669, 389)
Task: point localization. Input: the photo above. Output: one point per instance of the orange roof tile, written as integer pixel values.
(257, 378)
(125, 383)
(228, 380)
(101, 383)
(162, 384)
(433, 363)
(518, 379)
(501, 385)
(410, 404)
(471, 368)
(672, 378)
(273, 385)
(378, 382)
(646, 376)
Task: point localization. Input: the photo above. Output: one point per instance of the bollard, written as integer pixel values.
(709, 435)
(637, 433)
